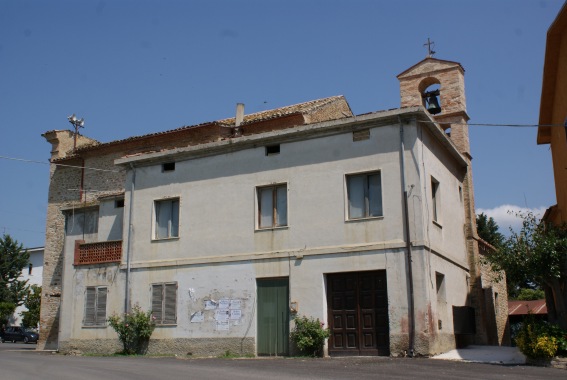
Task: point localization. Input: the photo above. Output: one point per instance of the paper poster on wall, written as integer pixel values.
(235, 304)
(197, 317)
(210, 305)
(224, 304)
(222, 326)
(221, 315)
(235, 314)
(191, 293)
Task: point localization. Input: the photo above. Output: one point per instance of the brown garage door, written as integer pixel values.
(358, 313)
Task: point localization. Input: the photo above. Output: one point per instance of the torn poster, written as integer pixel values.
(197, 317)
(210, 305)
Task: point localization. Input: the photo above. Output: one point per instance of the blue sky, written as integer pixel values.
(135, 67)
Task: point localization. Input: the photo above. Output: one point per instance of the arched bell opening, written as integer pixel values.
(430, 89)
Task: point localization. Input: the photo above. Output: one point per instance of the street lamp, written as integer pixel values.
(77, 123)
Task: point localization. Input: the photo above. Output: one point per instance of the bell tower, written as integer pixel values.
(439, 86)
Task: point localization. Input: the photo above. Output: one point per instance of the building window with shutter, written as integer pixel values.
(166, 219)
(95, 306)
(435, 199)
(272, 206)
(164, 303)
(364, 192)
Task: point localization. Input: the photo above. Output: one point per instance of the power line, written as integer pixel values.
(51, 163)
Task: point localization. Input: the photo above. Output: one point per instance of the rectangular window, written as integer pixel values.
(164, 303)
(95, 306)
(168, 167)
(30, 267)
(435, 198)
(119, 203)
(272, 149)
(167, 219)
(272, 206)
(364, 193)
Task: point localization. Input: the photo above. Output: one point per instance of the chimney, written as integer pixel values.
(239, 119)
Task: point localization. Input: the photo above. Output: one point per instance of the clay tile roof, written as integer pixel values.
(536, 307)
(301, 108)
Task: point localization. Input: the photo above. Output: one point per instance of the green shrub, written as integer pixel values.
(134, 330)
(541, 340)
(309, 335)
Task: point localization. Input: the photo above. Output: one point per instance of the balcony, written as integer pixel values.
(98, 253)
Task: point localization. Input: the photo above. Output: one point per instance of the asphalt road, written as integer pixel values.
(21, 362)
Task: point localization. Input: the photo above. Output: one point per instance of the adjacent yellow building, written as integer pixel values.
(553, 111)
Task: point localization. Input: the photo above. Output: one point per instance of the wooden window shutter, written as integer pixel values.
(170, 301)
(90, 299)
(157, 302)
(101, 306)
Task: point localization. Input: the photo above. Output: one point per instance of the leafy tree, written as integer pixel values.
(487, 229)
(32, 302)
(13, 258)
(527, 294)
(6, 311)
(538, 255)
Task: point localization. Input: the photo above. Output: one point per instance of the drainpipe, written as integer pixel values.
(128, 249)
(411, 311)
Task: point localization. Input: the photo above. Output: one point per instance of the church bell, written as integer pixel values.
(432, 102)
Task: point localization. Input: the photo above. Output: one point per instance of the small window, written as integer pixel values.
(119, 203)
(440, 285)
(30, 267)
(435, 198)
(164, 303)
(272, 206)
(168, 167)
(95, 306)
(272, 149)
(166, 219)
(461, 194)
(364, 192)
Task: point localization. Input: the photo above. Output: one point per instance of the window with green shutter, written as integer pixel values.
(164, 303)
(95, 306)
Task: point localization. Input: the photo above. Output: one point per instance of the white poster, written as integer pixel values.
(221, 315)
(235, 304)
(235, 314)
(224, 304)
(222, 326)
(210, 305)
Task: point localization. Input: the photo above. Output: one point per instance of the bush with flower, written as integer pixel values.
(541, 340)
(309, 335)
(134, 330)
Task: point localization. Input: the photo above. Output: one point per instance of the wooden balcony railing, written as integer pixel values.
(98, 253)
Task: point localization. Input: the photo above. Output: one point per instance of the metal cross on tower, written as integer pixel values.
(429, 44)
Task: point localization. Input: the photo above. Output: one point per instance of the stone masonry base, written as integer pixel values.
(187, 347)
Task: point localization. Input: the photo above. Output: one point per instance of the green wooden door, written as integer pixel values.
(273, 316)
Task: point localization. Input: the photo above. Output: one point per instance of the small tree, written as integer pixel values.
(134, 330)
(487, 229)
(13, 258)
(32, 302)
(538, 255)
(309, 335)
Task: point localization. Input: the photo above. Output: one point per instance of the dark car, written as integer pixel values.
(15, 334)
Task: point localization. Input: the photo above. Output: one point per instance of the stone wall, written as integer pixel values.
(212, 347)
